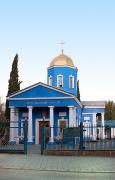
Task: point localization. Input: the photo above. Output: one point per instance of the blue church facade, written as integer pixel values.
(53, 104)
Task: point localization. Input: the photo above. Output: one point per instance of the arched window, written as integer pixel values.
(71, 81)
(50, 80)
(60, 81)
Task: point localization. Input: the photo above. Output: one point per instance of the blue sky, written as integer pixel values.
(34, 28)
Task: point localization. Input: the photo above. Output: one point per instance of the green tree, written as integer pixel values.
(2, 113)
(109, 110)
(113, 112)
(14, 84)
(78, 91)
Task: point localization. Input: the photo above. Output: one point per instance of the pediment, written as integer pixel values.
(40, 90)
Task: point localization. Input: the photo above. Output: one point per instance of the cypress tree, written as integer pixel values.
(14, 84)
(78, 91)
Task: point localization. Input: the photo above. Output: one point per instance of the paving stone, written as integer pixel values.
(58, 163)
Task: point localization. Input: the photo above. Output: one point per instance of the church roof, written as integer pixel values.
(12, 96)
(94, 103)
(62, 60)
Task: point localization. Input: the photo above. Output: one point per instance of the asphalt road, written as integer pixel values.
(14, 174)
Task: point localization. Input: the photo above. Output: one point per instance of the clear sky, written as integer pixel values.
(34, 28)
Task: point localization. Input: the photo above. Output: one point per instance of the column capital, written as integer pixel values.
(51, 106)
(70, 106)
(11, 107)
(30, 107)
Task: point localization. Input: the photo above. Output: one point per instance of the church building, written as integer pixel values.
(54, 104)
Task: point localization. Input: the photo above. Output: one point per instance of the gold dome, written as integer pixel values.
(62, 60)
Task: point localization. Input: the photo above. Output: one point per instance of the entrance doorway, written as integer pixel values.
(40, 124)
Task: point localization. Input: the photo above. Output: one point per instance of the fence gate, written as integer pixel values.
(63, 139)
(19, 143)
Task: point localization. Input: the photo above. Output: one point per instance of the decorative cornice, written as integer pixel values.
(40, 98)
(62, 67)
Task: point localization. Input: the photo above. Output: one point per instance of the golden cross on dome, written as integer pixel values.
(62, 44)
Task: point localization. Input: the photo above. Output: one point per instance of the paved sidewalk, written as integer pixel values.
(37, 162)
(13, 174)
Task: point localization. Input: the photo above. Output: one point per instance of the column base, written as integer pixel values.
(94, 138)
(51, 141)
(30, 143)
(12, 142)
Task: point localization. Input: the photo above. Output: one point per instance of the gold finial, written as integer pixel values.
(62, 44)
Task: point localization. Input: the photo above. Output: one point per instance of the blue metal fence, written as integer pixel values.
(19, 144)
(78, 138)
(99, 138)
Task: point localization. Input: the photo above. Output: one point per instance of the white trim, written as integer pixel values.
(37, 129)
(86, 107)
(59, 75)
(41, 98)
(62, 66)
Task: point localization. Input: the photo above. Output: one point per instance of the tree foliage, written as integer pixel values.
(109, 110)
(14, 83)
(78, 91)
(2, 113)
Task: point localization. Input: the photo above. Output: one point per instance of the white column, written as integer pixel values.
(30, 130)
(12, 124)
(74, 117)
(94, 126)
(52, 122)
(103, 125)
(71, 116)
(112, 132)
(16, 125)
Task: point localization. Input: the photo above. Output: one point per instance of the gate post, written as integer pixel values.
(43, 140)
(25, 126)
(81, 147)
